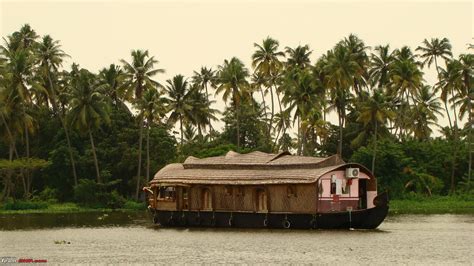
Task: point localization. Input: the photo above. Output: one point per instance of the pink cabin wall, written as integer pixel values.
(348, 199)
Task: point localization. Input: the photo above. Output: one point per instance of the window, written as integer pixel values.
(240, 192)
(185, 198)
(261, 200)
(228, 190)
(206, 199)
(167, 194)
(291, 191)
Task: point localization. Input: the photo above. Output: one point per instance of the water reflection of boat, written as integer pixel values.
(266, 190)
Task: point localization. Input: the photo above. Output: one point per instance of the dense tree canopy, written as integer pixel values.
(69, 130)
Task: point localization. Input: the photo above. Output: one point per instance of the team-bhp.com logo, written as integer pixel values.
(21, 260)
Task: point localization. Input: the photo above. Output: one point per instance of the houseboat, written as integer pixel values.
(266, 190)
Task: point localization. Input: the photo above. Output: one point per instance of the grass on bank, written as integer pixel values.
(30, 207)
(456, 204)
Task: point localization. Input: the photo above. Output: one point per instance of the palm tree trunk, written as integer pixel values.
(140, 141)
(276, 139)
(26, 172)
(63, 124)
(209, 118)
(273, 113)
(181, 129)
(238, 123)
(299, 136)
(96, 162)
(264, 103)
(374, 152)
(148, 151)
(339, 146)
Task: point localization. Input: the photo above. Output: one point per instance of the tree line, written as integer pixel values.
(117, 126)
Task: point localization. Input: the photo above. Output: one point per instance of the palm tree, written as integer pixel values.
(232, 79)
(111, 82)
(425, 113)
(341, 68)
(205, 78)
(179, 100)
(356, 48)
(282, 123)
(201, 112)
(301, 95)
(50, 58)
(380, 66)
(298, 57)
(258, 81)
(139, 73)
(88, 109)
(266, 61)
(375, 111)
(138, 78)
(464, 76)
(154, 108)
(430, 52)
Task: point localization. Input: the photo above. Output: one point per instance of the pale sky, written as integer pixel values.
(187, 34)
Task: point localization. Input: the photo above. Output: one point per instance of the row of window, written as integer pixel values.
(169, 193)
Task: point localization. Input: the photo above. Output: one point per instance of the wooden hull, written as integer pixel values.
(359, 219)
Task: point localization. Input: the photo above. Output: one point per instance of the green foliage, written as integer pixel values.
(133, 205)
(95, 195)
(23, 163)
(24, 205)
(422, 167)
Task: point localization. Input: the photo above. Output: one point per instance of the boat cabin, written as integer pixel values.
(259, 182)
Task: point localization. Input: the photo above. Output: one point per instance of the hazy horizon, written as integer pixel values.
(185, 35)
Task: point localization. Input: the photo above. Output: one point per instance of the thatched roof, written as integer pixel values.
(252, 168)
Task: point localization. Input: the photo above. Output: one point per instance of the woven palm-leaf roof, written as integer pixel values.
(251, 168)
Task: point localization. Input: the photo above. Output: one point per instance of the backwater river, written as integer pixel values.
(98, 238)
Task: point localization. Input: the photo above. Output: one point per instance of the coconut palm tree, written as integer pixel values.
(266, 60)
(464, 76)
(154, 109)
(380, 66)
(88, 109)
(356, 48)
(425, 113)
(49, 57)
(178, 96)
(201, 111)
(138, 78)
(139, 73)
(300, 96)
(298, 57)
(430, 52)
(374, 112)
(340, 69)
(206, 78)
(111, 82)
(232, 80)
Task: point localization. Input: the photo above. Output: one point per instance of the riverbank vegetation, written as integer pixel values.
(72, 135)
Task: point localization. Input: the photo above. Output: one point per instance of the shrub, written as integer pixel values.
(133, 205)
(24, 205)
(88, 193)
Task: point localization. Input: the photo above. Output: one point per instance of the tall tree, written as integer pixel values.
(177, 91)
(340, 70)
(138, 78)
(206, 78)
(374, 112)
(266, 60)
(232, 80)
(430, 52)
(88, 109)
(50, 57)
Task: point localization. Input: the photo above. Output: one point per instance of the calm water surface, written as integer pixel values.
(130, 238)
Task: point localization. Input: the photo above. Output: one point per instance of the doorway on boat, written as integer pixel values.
(206, 199)
(185, 198)
(261, 200)
(362, 193)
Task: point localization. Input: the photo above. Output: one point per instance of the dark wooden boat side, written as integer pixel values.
(357, 219)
